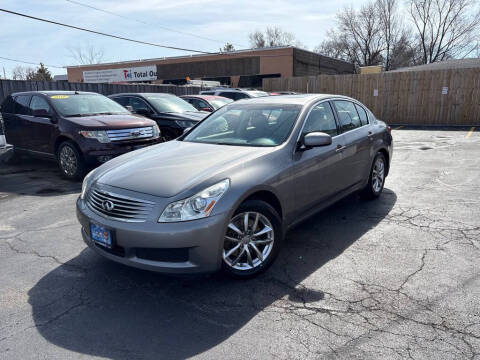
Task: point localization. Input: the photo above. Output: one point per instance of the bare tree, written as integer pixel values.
(358, 37)
(22, 72)
(86, 55)
(445, 28)
(227, 48)
(273, 36)
(372, 35)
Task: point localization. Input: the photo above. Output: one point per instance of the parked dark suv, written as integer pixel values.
(78, 129)
(172, 114)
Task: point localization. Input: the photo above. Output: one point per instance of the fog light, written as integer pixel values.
(104, 158)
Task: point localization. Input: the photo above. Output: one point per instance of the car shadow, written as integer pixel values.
(34, 177)
(96, 307)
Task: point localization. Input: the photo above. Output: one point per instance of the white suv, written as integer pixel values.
(234, 94)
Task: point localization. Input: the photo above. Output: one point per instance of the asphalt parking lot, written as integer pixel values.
(398, 277)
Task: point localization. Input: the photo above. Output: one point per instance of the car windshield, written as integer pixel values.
(246, 125)
(172, 103)
(85, 104)
(218, 103)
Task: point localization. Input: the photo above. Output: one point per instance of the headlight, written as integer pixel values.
(99, 135)
(156, 131)
(198, 206)
(186, 123)
(87, 181)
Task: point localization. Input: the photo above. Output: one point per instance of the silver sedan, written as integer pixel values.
(223, 195)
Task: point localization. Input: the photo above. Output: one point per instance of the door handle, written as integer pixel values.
(340, 148)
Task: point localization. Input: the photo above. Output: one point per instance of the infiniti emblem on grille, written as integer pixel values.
(108, 205)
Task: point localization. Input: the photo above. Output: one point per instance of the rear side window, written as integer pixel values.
(208, 92)
(321, 119)
(347, 115)
(238, 96)
(8, 105)
(21, 105)
(363, 114)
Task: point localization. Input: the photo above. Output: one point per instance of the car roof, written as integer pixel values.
(205, 97)
(142, 94)
(55, 92)
(301, 99)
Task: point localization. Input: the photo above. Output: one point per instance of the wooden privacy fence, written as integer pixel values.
(10, 86)
(441, 97)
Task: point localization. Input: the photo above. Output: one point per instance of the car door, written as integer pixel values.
(317, 170)
(9, 124)
(42, 124)
(358, 144)
(17, 123)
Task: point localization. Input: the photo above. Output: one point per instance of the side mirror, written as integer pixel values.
(205, 109)
(316, 139)
(41, 113)
(129, 108)
(186, 130)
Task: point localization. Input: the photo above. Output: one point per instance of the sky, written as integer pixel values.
(148, 20)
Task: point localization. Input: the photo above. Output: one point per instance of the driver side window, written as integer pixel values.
(138, 104)
(321, 119)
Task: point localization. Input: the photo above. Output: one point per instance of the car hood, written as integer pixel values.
(170, 168)
(111, 121)
(188, 115)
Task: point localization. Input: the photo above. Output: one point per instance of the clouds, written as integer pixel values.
(226, 20)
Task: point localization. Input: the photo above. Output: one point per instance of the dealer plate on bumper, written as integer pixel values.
(101, 235)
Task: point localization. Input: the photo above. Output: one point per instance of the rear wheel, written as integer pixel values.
(70, 161)
(252, 240)
(376, 181)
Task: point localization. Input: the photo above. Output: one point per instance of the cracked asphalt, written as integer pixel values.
(394, 278)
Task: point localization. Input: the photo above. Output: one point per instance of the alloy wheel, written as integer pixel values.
(68, 160)
(378, 175)
(248, 241)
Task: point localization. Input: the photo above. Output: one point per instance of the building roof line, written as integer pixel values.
(236, 52)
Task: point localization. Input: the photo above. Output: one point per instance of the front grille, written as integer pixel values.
(130, 134)
(119, 207)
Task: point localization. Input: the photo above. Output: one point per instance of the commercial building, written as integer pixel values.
(244, 68)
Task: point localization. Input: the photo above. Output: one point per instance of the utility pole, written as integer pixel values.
(4, 74)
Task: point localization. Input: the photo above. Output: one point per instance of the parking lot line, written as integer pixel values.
(470, 132)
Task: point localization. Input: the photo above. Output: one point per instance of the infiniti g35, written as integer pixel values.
(223, 195)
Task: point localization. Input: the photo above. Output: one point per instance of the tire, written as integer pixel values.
(237, 263)
(376, 179)
(11, 157)
(70, 161)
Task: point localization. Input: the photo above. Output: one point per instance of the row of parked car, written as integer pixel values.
(223, 194)
(81, 130)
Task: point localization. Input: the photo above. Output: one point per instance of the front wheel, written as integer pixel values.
(252, 239)
(376, 181)
(70, 161)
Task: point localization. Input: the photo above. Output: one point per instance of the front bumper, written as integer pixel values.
(183, 247)
(95, 152)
